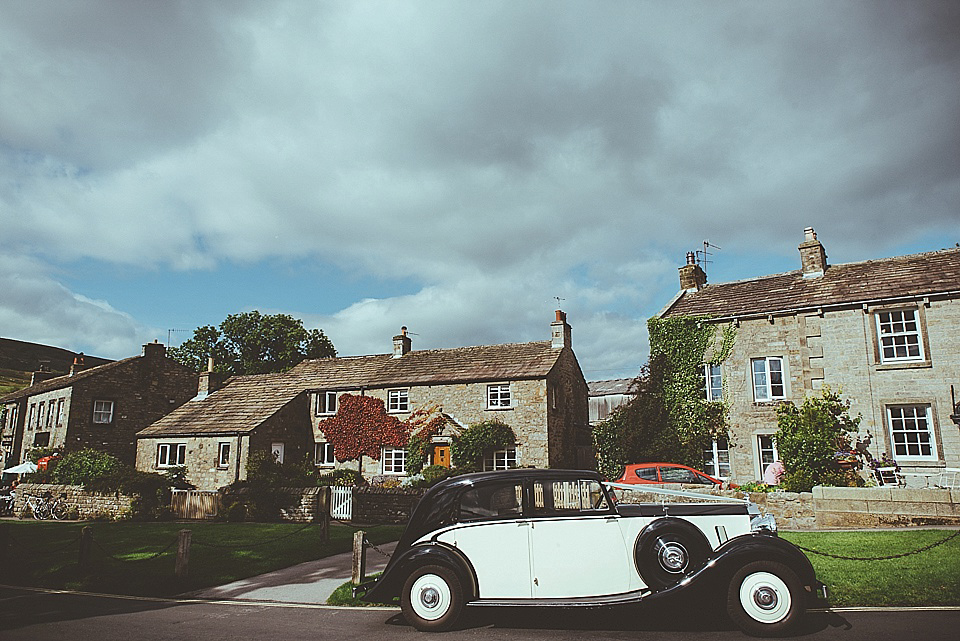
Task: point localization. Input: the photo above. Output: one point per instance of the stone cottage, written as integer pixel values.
(100, 407)
(886, 332)
(536, 388)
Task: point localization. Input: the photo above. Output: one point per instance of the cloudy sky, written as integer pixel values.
(454, 166)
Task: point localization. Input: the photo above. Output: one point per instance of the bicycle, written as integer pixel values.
(42, 507)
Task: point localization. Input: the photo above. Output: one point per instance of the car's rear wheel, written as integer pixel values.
(665, 555)
(432, 598)
(765, 598)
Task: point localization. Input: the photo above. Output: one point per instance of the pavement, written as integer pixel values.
(311, 582)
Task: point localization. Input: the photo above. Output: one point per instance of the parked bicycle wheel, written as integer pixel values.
(59, 510)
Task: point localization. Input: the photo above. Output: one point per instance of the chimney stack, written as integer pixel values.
(692, 277)
(401, 343)
(813, 258)
(155, 349)
(560, 332)
(43, 373)
(78, 364)
(210, 381)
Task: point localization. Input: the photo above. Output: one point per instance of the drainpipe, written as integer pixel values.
(239, 441)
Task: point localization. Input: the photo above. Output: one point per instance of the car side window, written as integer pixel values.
(568, 497)
(491, 501)
(647, 473)
(678, 475)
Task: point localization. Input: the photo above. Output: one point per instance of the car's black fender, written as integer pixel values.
(388, 586)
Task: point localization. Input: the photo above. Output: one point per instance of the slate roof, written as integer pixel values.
(901, 277)
(615, 386)
(61, 382)
(244, 402)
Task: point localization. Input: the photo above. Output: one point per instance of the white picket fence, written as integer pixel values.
(341, 502)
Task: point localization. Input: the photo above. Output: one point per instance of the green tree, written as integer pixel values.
(253, 343)
(808, 439)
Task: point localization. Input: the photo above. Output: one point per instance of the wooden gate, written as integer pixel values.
(341, 502)
(195, 504)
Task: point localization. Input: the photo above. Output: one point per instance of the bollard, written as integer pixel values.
(84, 557)
(183, 554)
(359, 557)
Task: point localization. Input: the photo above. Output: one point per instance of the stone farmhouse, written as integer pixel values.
(885, 332)
(536, 388)
(100, 407)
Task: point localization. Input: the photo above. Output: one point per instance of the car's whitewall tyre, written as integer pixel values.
(432, 598)
(764, 598)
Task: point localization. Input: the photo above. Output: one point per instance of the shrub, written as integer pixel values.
(808, 439)
(469, 447)
(343, 476)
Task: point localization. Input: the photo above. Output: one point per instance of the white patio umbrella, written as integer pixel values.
(23, 468)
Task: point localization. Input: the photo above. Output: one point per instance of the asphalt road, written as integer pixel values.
(28, 615)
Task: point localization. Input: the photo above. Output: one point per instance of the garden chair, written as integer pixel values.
(949, 478)
(889, 476)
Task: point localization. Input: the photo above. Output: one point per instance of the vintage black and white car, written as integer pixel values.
(543, 537)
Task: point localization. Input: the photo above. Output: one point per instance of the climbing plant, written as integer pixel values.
(362, 426)
(468, 449)
(424, 424)
(668, 417)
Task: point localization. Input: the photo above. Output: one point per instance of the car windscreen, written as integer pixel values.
(492, 500)
(568, 497)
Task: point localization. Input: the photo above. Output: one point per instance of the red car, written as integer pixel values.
(666, 473)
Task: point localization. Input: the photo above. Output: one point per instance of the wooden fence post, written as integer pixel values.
(323, 512)
(359, 557)
(183, 554)
(86, 545)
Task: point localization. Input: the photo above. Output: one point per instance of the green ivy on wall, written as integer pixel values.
(668, 418)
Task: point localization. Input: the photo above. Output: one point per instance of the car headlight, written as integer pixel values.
(764, 522)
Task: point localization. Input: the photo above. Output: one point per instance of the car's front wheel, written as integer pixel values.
(765, 599)
(432, 598)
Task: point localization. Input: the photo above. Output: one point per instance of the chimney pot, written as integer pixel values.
(813, 258)
(401, 343)
(692, 276)
(560, 332)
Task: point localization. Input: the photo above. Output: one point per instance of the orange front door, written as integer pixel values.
(441, 455)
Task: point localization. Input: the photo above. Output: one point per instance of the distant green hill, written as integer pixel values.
(19, 359)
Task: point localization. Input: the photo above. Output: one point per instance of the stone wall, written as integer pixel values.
(376, 505)
(80, 502)
(885, 507)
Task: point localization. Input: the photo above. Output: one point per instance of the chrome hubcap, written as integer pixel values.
(673, 557)
(429, 597)
(765, 598)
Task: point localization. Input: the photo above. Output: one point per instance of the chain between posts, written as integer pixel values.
(882, 558)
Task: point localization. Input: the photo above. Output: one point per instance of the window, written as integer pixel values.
(326, 403)
(766, 451)
(394, 460)
(397, 401)
(647, 474)
(276, 449)
(500, 459)
(498, 396)
(40, 409)
(171, 454)
(103, 412)
(712, 383)
(491, 500)
(911, 432)
(60, 415)
(565, 497)
(51, 413)
(31, 415)
(42, 439)
(767, 378)
(716, 459)
(899, 335)
(323, 454)
(223, 455)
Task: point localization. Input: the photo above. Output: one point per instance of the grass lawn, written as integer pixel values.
(125, 556)
(931, 577)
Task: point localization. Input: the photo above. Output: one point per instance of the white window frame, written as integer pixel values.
(764, 389)
(712, 374)
(40, 414)
(323, 454)
(171, 454)
(102, 408)
(223, 454)
(326, 401)
(30, 415)
(504, 459)
(499, 396)
(61, 406)
(393, 461)
(398, 400)
(761, 460)
(898, 336)
(716, 459)
(911, 425)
